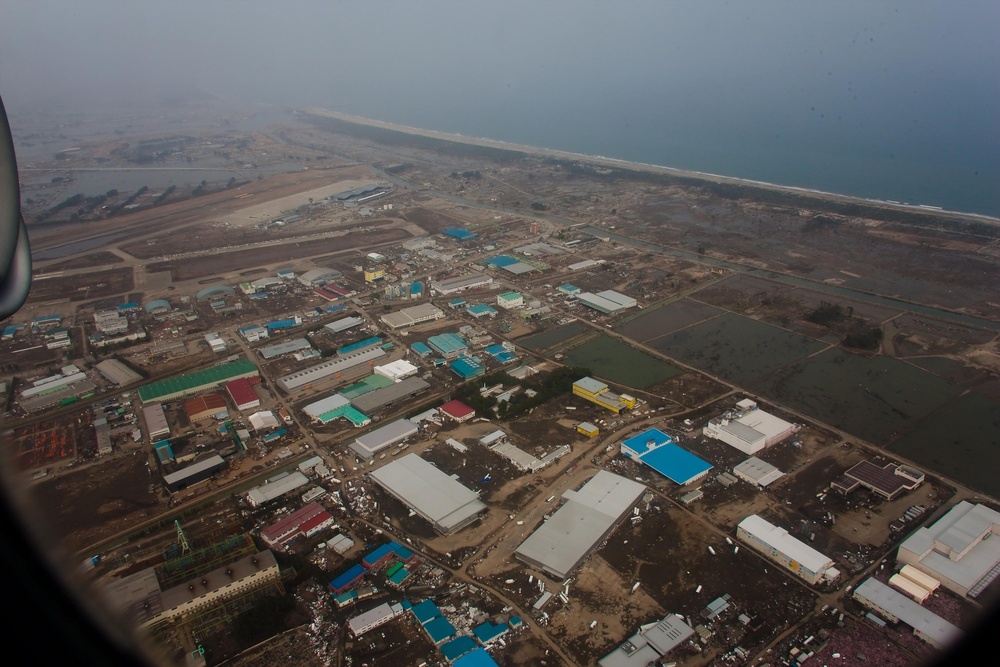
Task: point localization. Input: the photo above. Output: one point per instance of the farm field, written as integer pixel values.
(667, 319)
(547, 339)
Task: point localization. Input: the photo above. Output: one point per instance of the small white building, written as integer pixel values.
(510, 300)
(750, 432)
(796, 556)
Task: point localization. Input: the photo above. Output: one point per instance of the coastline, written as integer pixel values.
(646, 167)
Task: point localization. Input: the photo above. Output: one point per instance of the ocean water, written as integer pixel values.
(891, 101)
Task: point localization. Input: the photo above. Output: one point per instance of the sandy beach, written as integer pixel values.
(641, 166)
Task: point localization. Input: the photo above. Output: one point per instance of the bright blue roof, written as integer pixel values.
(401, 551)
(467, 367)
(501, 261)
(640, 442)
(506, 357)
(416, 288)
(460, 234)
(421, 348)
(456, 302)
(399, 576)
(439, 629)
(515, 621)
(425, 611)
(494, 350)
(377, 554)
(480, 309)
(476, 658)
(361, 344)
(675, 463)
(456, 648)
(566, 287)
(348, 577)
(487, 631)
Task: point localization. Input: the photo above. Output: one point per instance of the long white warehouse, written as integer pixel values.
(797, 556)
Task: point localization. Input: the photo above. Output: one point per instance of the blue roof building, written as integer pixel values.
(501, 261)
(515, 622)
(344, 581)
(468, 367)
(456, 648)
(476, 658)
(277, 325)
(457, 303)
(658, 450)
(402, 552)
(377, 556)
(439, 629)
(487, 632)
(425, 611)
(481, 310)
(399, 576)
(360, 345)
(421, 349)
(569, 289)
(460, 234)
(130, 307)
(449, 345)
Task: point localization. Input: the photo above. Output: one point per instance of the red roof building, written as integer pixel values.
(204, 407)
(458, 411)
(292, 525)
(242, 393)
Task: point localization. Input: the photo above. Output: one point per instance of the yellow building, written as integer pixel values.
(587, 429)
(597, 392)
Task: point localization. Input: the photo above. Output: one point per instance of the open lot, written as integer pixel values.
(79, 287)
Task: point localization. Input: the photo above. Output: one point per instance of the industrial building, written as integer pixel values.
(436, 497)
(597, 392)
(234, 584)
(396, 370)
(117, 373)
(284, 347)
(510, 300)
(194, 473)
(607, 302)
(275, 488)
(461, 283)
(305, 519)
(956, 549)
(242, 394)
(585, 518)
(370, 444)
(319, 276)
(342, 368)
(481, 310)
(776, 544)
(757, 472)
(896, 607)
(156, 422)
(387, 396)
(448, 345)
(407, 317)
(457, 411)
(373, 618)
(467, 367)
(650, 644)
(206, 406)
(196, 382)
(344, 324)
(751, 431)
(657, 450)
(889, 481)
(254, 333)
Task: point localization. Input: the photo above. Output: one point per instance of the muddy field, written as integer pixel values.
(666, 319)
(53, 441)
(86, 505)
(86, 261)
(81, 287)
(198, 267)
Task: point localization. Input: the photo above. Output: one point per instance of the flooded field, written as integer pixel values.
(617, 362)
(547, 339)
(962, 441)
(871, 398)
(667, 319)
(736, 348)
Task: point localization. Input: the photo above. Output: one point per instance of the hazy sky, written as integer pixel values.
(894, 80)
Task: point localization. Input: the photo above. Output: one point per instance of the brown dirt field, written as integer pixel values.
(85, 505)
(198, 267)
(83, 286)
(433, 221)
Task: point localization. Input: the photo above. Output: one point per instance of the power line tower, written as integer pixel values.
(182, 539)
